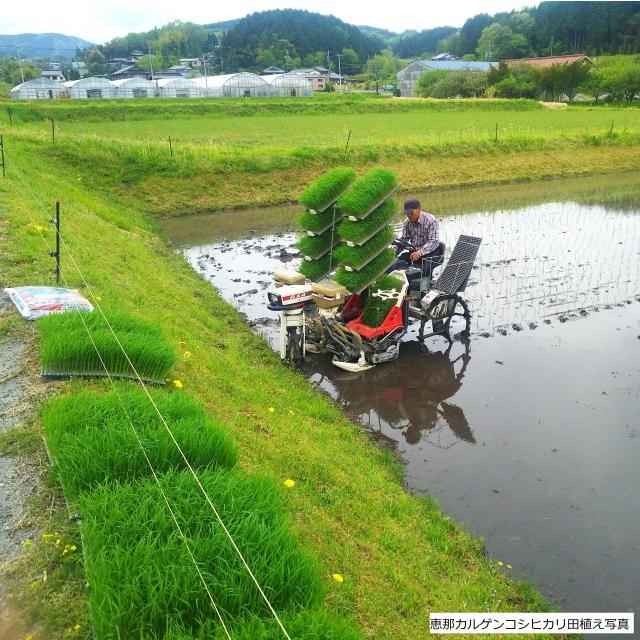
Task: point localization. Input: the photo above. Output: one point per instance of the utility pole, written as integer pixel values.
(150, 59)
(339, 56)
(204, 62)
(20, 61)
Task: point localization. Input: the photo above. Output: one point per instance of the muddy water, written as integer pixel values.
(528, 434)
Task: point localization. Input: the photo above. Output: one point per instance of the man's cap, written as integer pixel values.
(410, 205)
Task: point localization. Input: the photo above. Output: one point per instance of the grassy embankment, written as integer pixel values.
(231, 154)
(400, 557)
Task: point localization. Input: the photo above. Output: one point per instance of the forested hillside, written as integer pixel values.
(551, 28)
(290, 38)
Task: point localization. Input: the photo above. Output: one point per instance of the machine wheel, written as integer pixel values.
(452, 317)
(458, 324)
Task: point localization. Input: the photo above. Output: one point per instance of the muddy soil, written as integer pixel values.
(18, 480)
(528, 434)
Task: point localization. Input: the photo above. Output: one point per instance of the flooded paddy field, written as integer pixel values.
(527, 433)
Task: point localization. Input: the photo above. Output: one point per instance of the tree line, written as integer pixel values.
(615, 77)
(551, 28)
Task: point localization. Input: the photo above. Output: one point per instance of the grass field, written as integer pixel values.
(398, 555)
(332, 129)
(235, 154)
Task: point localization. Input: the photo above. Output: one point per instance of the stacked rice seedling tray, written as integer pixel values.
(71, 342)
(319, 220)
(365, 233)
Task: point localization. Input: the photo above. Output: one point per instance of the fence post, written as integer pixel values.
(170, 147)
(53, 130)
(346, 148)
(611, 129)
(56, 254)
(10, 115)
(4, 175)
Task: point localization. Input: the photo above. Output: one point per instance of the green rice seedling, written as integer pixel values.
(355, 281)
(315, 624)
(318, 222)
(358, 230)
(91, 440)
(68, 350)
(315, 269)
(376, 309)
(367, 193)
(142, 579)
(358, 256)
(316, 246)
(326, 189)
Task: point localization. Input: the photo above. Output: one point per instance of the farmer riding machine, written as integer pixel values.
(361, 314)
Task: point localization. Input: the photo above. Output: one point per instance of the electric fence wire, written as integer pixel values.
(136, 435)
(166, 426)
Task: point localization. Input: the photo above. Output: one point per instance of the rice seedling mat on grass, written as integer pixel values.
(77, 344)
(91, 441)
(142, 578)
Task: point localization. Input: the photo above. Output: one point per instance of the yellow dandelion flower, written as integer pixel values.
(181, 343)
(337, 577)
(28, 637)
(509, 566)
(98, 298)
(178, 384)
(77, 627)
(58, 542)
(271, 410)
(26, 543)
(289, 483)
(500, 563)
(187, 354)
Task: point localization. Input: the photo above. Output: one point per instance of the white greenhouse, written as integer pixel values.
(178, 88)
(134, 88)
(90, 88)
(39, 89)
(234, 85)
(288, 85)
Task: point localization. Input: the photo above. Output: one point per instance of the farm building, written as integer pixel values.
(288, 84)
(88, 88)
(39, 89)
(409, 76)
(134, 88)
(178, 87)
(233, 85)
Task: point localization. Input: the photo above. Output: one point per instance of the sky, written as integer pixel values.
(100, 20)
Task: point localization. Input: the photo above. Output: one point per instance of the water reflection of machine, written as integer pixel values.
(410, 394)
